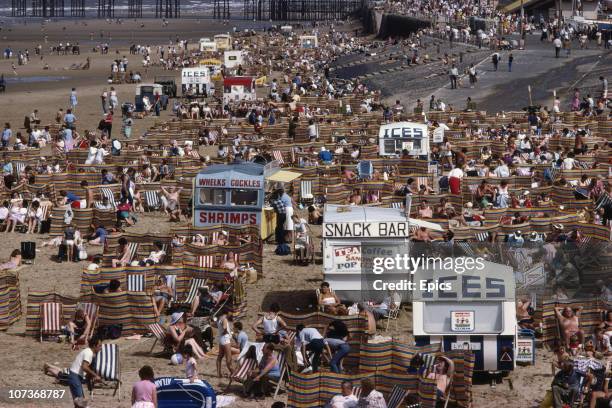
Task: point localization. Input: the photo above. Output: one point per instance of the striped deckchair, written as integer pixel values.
(241, 375)
(91, 310)
(196, 283)
(306, 191)
(152, 199)
(397, 397)
(482, 236)
(206, 261)
(278, 156)
(429, 360)
(282, 358)
(106, 365)
(604, 200)
(46, 210)
(136, 282)
(50, 319)
(133, 250)
(171, 282)
(160, 335)
(357, 391)
(19, 167)
(397, 205)
(108, 193)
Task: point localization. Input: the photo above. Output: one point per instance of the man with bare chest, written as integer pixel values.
(570, 325)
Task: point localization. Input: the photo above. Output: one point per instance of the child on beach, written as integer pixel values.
(191, 364)
(144, 394)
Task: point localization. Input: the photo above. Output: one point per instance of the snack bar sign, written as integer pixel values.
(393, 229)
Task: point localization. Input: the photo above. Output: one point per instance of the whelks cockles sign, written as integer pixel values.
(391, 229)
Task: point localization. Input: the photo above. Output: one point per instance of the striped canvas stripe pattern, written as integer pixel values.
(136, 282)
(196, 284)
(51, 318)
(133, 250)
(482, 236)
(278, 156)
(108, 193)
(398, 395)
(107, 362)
(306, 189)
(604, 200)
(246, 366)
(206, 261)
(10, 301)
(133, 310)
(152, 199)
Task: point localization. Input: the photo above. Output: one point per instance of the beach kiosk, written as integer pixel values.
(309, 41)
(232, 59)
(239, 88)
(234, 194)
(207, 45)
(196, 82)
(223, 41)
(396, 137)
(477, 312)
(353, 236)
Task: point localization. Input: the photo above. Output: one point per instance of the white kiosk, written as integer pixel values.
(232, 59)
(309, 41)
(223, 41)
(478, 313)
(399, 136)
(196, 81)
(207, 45)
(239, 88)
(353, 236)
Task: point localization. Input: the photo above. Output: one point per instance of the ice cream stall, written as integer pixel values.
(474, 310)
(396, 137)
(239, 88)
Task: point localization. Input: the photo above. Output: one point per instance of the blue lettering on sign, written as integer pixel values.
(498, 285)
(445, 293)
(467, 285)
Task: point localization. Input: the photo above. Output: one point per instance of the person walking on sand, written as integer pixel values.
(73, 99)
(104, 99)
(510, 60)
(558, 44)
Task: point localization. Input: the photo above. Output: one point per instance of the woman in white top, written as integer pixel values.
(273, 325)
(17, 215)
(101, 153)
(92, 153)
(224, 337)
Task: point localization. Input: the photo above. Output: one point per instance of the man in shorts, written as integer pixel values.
(81, 368)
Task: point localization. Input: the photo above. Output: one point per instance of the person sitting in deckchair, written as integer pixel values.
(12, 263)
(163, 295)
(267, 369)
(525, 321)
(79, 328)
(570, 325)
(346, 399)
(156, 256)
(122, 254)
(442, 373)
(203, 304)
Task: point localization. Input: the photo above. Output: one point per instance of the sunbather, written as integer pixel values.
(442, 373)
(163, 295)
(268, 369)
(79, 329)
(570, 325)
(12, 263)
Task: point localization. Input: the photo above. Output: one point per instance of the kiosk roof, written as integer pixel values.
(353, 213)
(251, 169)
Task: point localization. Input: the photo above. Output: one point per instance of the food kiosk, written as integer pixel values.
(353, 236)
(396, 137)
(207, 45)
(309, 41)
(239, 88)
(223, 41)
(234, 194)
(196, 82)
(232, 59)
(476, 312)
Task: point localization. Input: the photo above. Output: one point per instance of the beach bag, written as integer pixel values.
(110, 332)
(282, 250)
(45, 226)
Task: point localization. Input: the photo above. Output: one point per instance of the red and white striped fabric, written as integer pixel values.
(206, 261)
(158, 331)
(50, 318)
(215, 237)
(91, 310)
(247, 365)
(278, 156)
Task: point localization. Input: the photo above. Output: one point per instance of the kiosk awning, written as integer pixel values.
(429, 225)
(283, 176)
